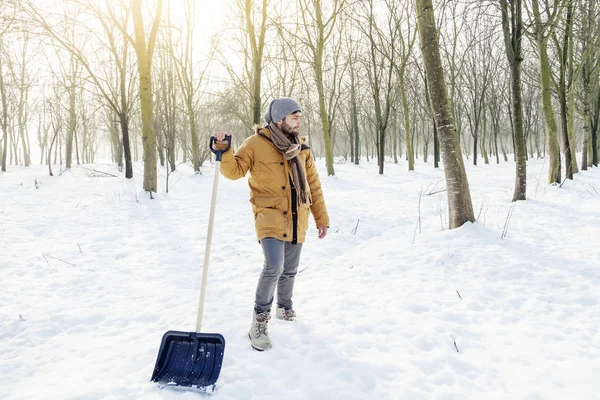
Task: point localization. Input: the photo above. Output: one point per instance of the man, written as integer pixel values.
(284, 189)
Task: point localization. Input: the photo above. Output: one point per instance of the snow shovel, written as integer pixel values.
(193, 360)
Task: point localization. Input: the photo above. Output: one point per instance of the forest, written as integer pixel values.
(449, 81)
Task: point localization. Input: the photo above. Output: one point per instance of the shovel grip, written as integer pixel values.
(219, 153)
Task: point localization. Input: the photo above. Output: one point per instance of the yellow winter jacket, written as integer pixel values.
(271, 189)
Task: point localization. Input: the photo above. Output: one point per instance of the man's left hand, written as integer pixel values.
(322, 231)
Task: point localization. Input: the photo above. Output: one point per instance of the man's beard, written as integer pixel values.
(288, 129)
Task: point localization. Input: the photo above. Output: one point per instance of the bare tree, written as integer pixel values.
(5, 109)
(456, 49)
(319, 29)
(478, 76)
(166, 108)
(459, 197)
(188, 78)
(8, 10)
(56, 123)
(407, 34)
(354, 136)
(590, 66)
(512, 28)
(563, 86)
(541, 32)
(256, 31)
(118, 97)
(380, 70)
(144, 52)
(22, 81)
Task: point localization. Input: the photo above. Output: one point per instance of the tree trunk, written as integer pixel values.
(571, 89)
(124, 123)
(124, 116)
(144, 58)
(323, 111)
(355, 126)
(562, 91)
(257, 47)
(148, 134)
(594, 130)
(436, 146)
(554, 173)
(160, 144)
(116, 148)
(405, 113)
(496, 147)
(72, 115)
(564, 120)
(484, 140)
(77, 146)
(475, 142)
(459, 197)
(4, 122)
(395, 138)
(22, 110)
(56, 129)
(513, 32)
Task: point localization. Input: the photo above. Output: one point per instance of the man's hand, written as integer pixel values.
(220, 136)
(322, 231)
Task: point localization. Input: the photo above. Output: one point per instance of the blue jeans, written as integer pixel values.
(279, 271)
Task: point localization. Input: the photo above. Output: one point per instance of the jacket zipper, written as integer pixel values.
(294, 213)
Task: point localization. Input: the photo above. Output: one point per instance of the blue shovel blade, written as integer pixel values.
(189, 360)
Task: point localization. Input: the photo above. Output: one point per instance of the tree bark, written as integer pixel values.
(512, 27)
(459, 197)
(355, 132)
(563, 88)
(257, 46)
(4, 121)
(405, 113)
(72, 116)
(542, 33)
(144, 57)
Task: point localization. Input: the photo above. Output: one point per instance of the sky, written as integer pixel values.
(391, 304)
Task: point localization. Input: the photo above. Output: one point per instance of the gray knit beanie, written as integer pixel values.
(280, 108)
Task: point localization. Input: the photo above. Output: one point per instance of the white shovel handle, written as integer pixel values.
(211, 219)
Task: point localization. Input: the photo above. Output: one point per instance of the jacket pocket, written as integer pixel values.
(303, 213)
(266, 202)
(268, 217)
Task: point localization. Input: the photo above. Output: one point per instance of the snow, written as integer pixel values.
(93, 273)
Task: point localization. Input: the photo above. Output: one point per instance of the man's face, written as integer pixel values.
(292, 123)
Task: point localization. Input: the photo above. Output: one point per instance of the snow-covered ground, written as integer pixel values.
(93, 272)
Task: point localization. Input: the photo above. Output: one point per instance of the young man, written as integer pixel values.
(284, 189)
